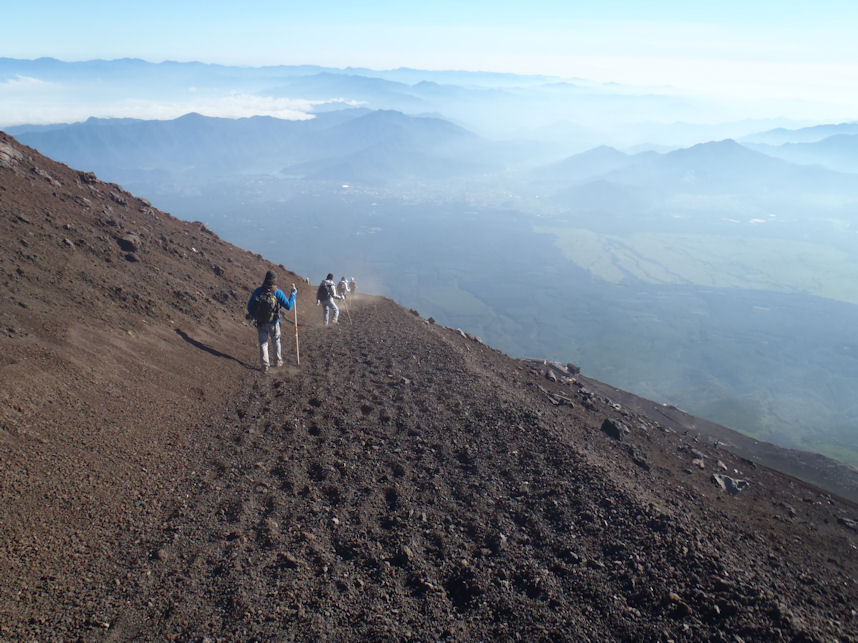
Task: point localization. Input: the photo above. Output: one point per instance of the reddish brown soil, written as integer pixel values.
(403, 482)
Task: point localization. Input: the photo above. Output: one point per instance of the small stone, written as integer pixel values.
(117, 198)
(638, 457)
(288, 559)
(848, 523)
(683, 610)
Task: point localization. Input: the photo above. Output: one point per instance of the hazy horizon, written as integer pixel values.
(762, 60)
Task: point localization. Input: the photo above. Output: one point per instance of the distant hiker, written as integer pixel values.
(352, 285)
(264, 309)
(342, 287)
(325, 295)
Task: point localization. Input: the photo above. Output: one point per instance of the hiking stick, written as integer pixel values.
(348, 314)
(297, 348)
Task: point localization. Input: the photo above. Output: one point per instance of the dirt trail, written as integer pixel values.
(402, 483)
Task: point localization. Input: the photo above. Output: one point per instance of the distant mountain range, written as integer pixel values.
(358, 144)
(606, 178)
(571, 114)
(780, 135)
(838, 152)
(832, 146)
(354, 144)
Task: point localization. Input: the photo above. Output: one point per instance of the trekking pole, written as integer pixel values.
(297, 348)
(348, 314)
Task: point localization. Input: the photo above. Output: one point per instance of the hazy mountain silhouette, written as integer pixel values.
(781, 135)
(121, 148)
(724, 167)
(728, 165)
(839, 152)
(491, 104)
(594, 162)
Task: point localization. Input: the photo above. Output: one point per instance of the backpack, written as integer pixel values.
(264, 307)
(324, 292)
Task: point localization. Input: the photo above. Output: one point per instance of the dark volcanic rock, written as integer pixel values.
(638, 457)
(614, 428)
(129, 242)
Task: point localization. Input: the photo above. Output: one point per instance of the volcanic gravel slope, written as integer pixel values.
(403, 482)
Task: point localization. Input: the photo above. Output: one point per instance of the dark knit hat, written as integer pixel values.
(269, 278)
(330, 276)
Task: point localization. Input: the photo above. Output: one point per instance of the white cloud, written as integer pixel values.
(24, 83)
(229, 106)
(31, 110)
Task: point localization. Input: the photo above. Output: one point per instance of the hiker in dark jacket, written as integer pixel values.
(325, 296)
(264, 308)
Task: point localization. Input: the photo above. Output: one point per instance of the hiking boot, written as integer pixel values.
(265, 368)
(279, 363)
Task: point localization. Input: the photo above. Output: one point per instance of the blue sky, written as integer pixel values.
(752, 49)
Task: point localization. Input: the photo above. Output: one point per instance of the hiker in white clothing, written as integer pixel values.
(342, 287)
(326, 296)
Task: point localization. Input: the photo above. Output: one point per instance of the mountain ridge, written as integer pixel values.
(120, 147)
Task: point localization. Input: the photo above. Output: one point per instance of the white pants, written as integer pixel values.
(329, 306)
(265, 331)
